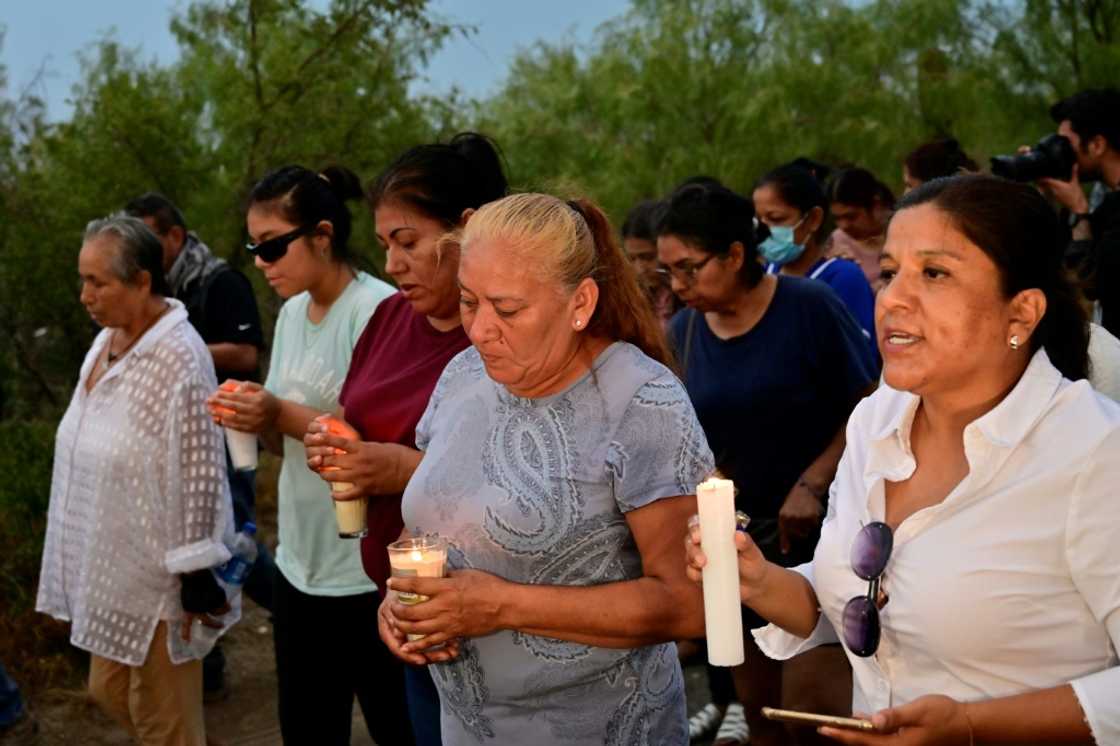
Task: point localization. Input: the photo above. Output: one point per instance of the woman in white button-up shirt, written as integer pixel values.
(997, 468)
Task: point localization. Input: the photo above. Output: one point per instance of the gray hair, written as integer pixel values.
(137, 249)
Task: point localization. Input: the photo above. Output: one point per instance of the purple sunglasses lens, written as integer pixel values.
(871, 550)
(860, 625)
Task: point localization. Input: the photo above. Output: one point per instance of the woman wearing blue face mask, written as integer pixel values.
(791, 202)
(773, 366)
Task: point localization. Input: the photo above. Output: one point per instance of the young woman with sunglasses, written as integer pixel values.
(774, 365)
(968, 560)
(325, 607)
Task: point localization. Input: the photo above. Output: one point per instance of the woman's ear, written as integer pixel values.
(323, 237)
(814, 220)
(736, 255)
(584, 301)
(143, 281)
(1027, 309)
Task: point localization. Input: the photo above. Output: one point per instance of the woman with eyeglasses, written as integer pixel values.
(968, 562)
(325, 607)
(774, 365)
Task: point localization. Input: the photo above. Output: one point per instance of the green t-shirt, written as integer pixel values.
(308, 365)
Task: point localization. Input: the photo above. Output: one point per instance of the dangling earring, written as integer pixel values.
(1013, 343)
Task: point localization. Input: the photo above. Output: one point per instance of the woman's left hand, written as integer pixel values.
(799, 516)
(467, 603)
(372, 467)
(933, 720)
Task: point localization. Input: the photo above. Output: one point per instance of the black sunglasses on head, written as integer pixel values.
(275, 248)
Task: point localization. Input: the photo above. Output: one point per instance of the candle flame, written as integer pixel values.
(417, 555)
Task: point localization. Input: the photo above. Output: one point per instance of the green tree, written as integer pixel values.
(259, 83)
(731, 89)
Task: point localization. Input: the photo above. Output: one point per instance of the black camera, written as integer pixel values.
(1052, 158)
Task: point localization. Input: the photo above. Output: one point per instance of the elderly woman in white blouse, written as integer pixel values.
(139, 501)
(969, 560)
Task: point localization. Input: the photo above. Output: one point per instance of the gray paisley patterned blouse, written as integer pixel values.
(536, 491)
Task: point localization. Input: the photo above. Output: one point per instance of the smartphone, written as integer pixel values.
(809, 718)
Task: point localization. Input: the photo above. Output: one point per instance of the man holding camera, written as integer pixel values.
(1090, 120)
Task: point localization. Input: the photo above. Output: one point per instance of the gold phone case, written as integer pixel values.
(809, 718)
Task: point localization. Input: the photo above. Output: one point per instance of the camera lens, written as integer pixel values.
(1052, 157)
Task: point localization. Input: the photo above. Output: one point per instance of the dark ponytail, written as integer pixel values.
(443, 180)
(859, 187)
(305, 198)
(1013, 224)
(623, 312)
(934, 160)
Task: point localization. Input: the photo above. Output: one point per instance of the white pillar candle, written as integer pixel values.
(723, 621)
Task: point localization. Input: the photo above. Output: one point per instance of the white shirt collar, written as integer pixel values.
(1005, 425)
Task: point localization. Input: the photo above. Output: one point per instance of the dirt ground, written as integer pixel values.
(246, 718)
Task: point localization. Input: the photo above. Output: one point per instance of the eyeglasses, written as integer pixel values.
(685, 273)
(871, 551)
(275, 248)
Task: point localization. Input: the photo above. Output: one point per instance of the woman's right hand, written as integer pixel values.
(394, 638)
(254, 409)
(314, 442)
(753, 567)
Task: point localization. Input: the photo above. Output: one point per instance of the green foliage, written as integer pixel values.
(731, 89)
(260, 83)
(25, 473)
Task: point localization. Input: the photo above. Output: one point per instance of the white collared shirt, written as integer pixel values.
(1012, 582)
(139, 495)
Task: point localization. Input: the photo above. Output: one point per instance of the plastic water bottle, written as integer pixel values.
(234, 572)
(231, 577)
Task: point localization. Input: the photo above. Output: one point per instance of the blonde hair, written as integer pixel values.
(570, 242)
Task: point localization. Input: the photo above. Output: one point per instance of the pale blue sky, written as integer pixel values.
(47, 35)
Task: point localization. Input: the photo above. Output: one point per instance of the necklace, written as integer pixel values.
(112, 357)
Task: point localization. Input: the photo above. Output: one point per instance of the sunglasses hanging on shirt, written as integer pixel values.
(275, 248)
(860, 625)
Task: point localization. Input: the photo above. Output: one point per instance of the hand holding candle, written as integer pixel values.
(420, 556)
(242, 445)
(351, 514)
(722, 616)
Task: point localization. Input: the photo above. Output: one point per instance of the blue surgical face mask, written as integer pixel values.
(780, 248)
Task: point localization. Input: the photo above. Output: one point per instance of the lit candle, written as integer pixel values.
(722, 616)
(421, 557)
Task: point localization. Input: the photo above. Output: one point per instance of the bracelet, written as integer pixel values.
(819, 494)
(967, 719)
(1077, 217)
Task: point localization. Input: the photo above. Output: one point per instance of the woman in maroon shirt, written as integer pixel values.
(419, 202)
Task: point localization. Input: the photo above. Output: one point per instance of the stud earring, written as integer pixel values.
(1013, 343)
(579, 324)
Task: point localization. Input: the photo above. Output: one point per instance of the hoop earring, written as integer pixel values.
(1013, 343)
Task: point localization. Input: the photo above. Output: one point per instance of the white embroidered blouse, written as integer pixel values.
(139, 494)
(1012, 582)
